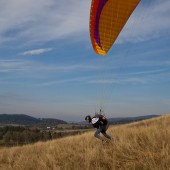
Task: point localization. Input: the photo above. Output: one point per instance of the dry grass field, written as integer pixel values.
(142, 145)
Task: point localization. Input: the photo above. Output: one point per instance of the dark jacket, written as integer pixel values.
(99, 121)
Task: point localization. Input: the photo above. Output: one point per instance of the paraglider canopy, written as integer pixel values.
(107, 18)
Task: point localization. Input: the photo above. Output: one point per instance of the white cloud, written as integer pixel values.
(13, 65)
(37, 51)
(43, 20)
(148, 21)
(30, 66)
(130, 80)
(62, 81)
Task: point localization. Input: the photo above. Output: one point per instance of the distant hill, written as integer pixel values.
(122, 120)
(51, 120)
(130, 119)
(22, 119)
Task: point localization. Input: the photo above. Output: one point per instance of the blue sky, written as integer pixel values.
(49, 69)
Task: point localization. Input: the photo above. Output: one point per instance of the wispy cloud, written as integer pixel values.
(31, 66)
(43, 20)
(13, 65)
(62, 81)
(148, 21)
(127, 80)
(148, 72)
(133, 77)
(36, 51)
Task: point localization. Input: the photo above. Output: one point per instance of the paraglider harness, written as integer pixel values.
(99, 121)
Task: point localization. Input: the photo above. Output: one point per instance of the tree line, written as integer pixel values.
(18, 135)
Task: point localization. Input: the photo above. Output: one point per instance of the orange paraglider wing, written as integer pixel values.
(107, 19)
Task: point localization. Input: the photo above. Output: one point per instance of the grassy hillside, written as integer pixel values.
(142, 145)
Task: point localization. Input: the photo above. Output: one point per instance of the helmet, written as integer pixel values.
(88, 117)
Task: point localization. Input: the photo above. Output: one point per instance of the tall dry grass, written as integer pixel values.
(138, 146)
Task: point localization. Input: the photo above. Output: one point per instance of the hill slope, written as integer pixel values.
(141, 145)
(23, 119)
(130, 119)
